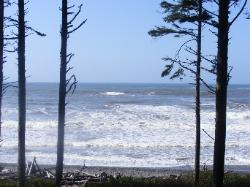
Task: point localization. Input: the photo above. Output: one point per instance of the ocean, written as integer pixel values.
(127, 125)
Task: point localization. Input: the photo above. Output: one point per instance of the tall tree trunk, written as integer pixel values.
(1, 58)
(221, 94)
(62, 94)
(197, 99)
(21, 94)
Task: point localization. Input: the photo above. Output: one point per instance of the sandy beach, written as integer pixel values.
(136, 171)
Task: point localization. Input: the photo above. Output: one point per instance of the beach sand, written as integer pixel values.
(136, 171)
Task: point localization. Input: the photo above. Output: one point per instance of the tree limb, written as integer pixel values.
(239, 13)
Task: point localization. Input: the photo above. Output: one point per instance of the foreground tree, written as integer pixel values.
(1, 58)
(66, 85)
(20, 36)
(219, 67)
(197, 96)
(221, 87)
(186, 11)
(3, 86)
(21, 94)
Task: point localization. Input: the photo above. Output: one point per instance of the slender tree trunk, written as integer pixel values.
(1, 58)
(197, 99)
(221, 94)
(21, 94)
(62, 94)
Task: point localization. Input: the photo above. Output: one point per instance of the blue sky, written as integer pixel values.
(113, 46)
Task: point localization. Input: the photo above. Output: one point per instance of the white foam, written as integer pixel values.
(164, 135)
(113, 93)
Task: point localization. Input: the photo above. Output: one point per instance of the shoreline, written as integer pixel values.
(135, 171)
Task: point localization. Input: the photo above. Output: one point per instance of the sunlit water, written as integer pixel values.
(149, 125)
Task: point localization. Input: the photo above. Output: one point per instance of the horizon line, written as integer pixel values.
(32, 82)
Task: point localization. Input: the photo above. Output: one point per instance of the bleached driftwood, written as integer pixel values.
(78, 177)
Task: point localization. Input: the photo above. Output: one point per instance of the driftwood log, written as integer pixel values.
(75, 178)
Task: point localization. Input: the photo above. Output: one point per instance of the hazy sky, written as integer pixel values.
(113, 46)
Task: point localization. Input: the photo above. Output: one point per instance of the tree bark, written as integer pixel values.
(1, 58)
(21, 94)
(221, 94)
(197, 99)
(62, 94)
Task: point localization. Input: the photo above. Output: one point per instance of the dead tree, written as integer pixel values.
(3, 4)
(66, 86)
(8, 38)
(3, 86)
(22, 32)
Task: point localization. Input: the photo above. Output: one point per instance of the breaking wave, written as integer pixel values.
(150, 130)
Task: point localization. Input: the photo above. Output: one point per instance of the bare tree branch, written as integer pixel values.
(239, 13)
(76, 15)
(78, 27)
(208, 134)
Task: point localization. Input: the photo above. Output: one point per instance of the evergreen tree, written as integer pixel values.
(197, 96)
(222, 80)
(185, 12)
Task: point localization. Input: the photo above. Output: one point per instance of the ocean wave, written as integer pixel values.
(30, 124)
(120, 143)
(113, 93)
(129, 131)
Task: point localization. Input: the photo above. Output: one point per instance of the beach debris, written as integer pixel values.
(103, 177)
(205, 167)
(8, 174)
(49, 174)
(176, 177)
(70, 178)
(33, 169)
(76, 184)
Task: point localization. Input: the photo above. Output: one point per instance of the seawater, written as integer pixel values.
(143, 125)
